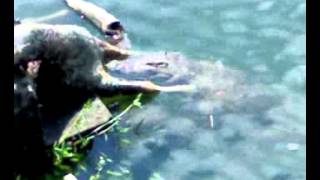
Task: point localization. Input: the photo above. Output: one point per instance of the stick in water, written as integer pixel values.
(104, 20)
(211, 121)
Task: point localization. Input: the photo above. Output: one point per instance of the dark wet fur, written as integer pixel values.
(63, 65)
(29, 157)
(65, 80)
(66, 75)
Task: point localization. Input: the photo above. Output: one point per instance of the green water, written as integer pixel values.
(260, 118)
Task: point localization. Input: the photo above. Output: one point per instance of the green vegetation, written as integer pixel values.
(63, 153)
(69, 153)
(103, 159)
(156, 176)
(114, 121)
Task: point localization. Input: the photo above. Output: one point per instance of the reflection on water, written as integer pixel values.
(251, 79)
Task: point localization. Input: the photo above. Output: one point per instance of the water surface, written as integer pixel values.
(250, 59)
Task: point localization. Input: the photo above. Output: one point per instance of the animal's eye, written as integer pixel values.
(115, 26)
(108, 33)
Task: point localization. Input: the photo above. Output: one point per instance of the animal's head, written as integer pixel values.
(162, 67)
(114, 32)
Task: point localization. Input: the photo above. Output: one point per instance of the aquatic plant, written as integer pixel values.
(105, 127)
(103, 159)
(156, 176)
(69, 152)
(65, 152)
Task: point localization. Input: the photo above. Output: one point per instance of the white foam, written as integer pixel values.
(293, 146)
(265, 5)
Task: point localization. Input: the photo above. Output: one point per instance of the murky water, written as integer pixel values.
(249, 61)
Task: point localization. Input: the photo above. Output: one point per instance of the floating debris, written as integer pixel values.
(211, 121)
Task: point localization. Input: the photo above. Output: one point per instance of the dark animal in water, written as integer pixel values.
(64, 63)
(56, 69)
(165, 68)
